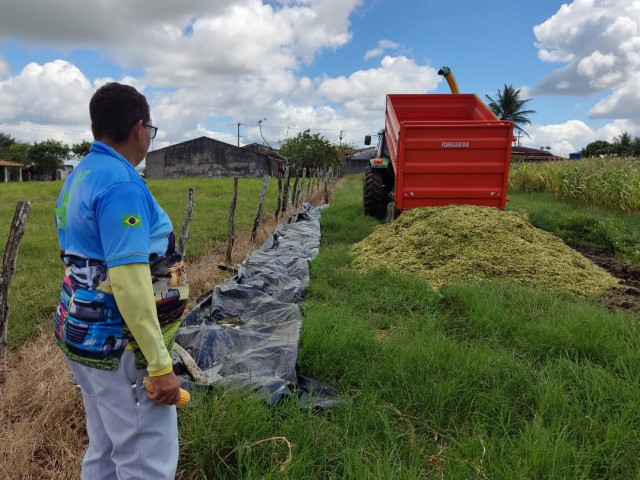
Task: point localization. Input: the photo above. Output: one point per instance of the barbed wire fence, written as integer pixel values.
(319, 185)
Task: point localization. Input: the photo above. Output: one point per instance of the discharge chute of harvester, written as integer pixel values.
(438, 149)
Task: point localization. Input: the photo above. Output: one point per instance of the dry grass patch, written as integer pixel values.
(42, 429)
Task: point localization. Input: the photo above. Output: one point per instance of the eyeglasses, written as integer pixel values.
(152, 130)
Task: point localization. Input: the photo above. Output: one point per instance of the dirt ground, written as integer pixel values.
(629, 276)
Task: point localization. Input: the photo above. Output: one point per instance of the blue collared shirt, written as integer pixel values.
(105, 212)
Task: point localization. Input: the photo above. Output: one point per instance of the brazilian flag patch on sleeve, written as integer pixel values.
(130, 221)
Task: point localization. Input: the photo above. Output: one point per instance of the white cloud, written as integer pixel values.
(65, 23)
(599, 43)
(623, 103)
(207, 64)
(363, 92)
(126, 80)
(319, 24)
(573, 135)
(249, 38)
(31, 132)
(563, 138)
(595, 63)
(382, 46)
(356, 102)
(235, 58)
(184, 43)
(615, 128)
(56, 91)
(4, 68)
(203, 131)
(575, 29)
(50, 101)
(526, 92)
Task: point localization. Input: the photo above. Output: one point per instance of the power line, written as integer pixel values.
(171, 141)
(39, 129)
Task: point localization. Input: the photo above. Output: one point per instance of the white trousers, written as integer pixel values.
(130, 436)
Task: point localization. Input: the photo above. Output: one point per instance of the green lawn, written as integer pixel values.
(475, 381)
(580, 225)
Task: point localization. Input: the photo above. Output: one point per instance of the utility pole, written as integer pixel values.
(239, 132)
(341, 136)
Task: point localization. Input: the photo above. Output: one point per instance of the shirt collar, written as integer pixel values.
(104, 149)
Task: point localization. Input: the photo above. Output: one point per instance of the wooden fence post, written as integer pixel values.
(294, 195)
(279, 204)
(301, 193)
(286, 194)
(256, 221)
(188, 215)
(9, 259)
(288, 190)
(232, 219)
(326, 190)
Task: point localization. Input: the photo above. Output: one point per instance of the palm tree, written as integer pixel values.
(623, 144)
(509, 106)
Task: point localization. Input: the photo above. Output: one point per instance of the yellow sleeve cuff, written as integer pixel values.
(159, 373)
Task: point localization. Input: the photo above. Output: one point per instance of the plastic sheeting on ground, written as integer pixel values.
(245, 333)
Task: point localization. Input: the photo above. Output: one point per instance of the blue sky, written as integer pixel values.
(326, 65)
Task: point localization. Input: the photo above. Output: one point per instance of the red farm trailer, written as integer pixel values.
(438, 149)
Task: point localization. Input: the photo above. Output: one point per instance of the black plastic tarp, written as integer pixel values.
(245, 332)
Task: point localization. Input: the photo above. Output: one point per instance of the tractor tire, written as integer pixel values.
(375, 195)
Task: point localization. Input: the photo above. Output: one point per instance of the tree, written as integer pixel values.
(81, 149)
(18, 152)
(13, 151)
(344, 150)
(623, 144)
(48, 156)
(635, 147)
(307, 150)
(6, 140)
(509, 106)
(597, 148)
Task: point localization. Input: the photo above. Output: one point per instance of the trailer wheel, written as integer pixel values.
(392, 211)
(374, 194)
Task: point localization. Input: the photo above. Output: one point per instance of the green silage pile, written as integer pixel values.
(468, 243)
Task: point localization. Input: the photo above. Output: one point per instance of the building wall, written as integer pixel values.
(359, 160)
(353, 165)
(205, 157)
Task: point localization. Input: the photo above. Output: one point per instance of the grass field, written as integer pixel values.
(593, 202)
(612, 182)
(584, 226)
(474, 381)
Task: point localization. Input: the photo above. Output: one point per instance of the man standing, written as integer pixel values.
(123, 293)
